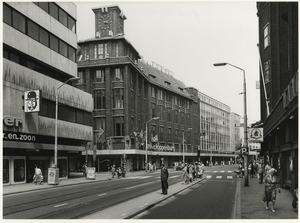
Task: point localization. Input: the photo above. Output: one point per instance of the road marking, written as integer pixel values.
(208, 176)
(222, 171)
(139, 185)
(101, 194)
(215, 171)
(174, 176)
(218, 177)
(229, 177)
(60, 205)
(229, 171)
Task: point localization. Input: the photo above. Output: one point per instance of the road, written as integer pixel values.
(212, 198)
(80, 200)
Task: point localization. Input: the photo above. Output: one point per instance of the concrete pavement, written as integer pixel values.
(248, 205)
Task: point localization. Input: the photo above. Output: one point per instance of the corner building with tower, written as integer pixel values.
(135, 100)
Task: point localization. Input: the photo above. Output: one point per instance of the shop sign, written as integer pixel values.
(255, 135)
(161, 148)
(12, 121)
(17, 136)
(254, 146)
(32, 101)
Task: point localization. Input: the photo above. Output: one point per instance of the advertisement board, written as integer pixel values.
(91, 173)
(53, 175)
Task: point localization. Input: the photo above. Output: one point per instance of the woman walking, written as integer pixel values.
(271, 184)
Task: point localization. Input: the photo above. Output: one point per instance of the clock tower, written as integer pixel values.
(109, 21)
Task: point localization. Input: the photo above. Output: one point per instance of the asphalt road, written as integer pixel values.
(212, 198)
(80, 200)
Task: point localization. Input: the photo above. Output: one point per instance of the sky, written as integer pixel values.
(187, 38)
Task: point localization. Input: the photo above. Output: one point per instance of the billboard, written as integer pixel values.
(32, 101)
(255, 135)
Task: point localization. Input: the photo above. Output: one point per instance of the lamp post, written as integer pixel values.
(154, 118)
(201, 144)
(246, 182)
(56, 114)
(183, 142)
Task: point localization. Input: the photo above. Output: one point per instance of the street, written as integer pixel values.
(212, 198)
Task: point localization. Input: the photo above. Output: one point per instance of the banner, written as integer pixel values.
(32, 101)
(255, 135)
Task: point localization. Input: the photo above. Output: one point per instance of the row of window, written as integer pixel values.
(101, 51)
(59, 14)
(65, 113)
(32, 64)
(33, 30)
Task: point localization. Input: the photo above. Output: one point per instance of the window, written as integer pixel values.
(19, 170)
(33, 30)
(7, 15)
(100, 75)
(71, 24)
(105, 50)
(153, 110)
(79, 117)
(63, 17)
(71, 53)
(176, 117)
(267, 71)
(117, 49)
(161, 135)
(44, 6)
(153, 92)
(100, 51)
(118, 74)
(99, 99)
(63, 48)
(54, 10)
(53, 43)
(82, 76)
(19, 21)
(267, 35)
(44, 38)
(169, 115)
(118, 126)
(118, 98)
(15, 58)
(99, 123)
(95, 51)
(161, 115)
(5, 171)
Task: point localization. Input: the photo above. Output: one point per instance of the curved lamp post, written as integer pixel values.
(56, 114)
(183, 142)
(246, 182)
(154, 118)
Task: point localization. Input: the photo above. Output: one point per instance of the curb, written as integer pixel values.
(237, 207)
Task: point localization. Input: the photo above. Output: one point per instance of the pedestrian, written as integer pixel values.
(113, 171)
(119, 172)
(197, 168)
(260, 172)
(38, 175)
(164, 179)
(271, 185)
(154, 167)
(185, 174)
(267, 167)
(251, 169)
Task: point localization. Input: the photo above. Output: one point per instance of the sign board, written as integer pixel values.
(255, 135)
(244, 150)
(91, 173)
(53, 175)
(254, 146)
(32, 101)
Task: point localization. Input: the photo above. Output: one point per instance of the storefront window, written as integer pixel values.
(5, 171)
(19, 170)
(63, 167)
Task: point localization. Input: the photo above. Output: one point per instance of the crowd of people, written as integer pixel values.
(192, 171)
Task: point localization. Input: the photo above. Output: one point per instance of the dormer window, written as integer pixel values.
(167, 82)
(180, 88)
(152, 75)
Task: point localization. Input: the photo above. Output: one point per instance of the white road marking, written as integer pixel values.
(229, 177)
(222, 171)
(218, 177)
(60, 205)
(101, 194)
(174, 176)
(208, 176)
(229, 171)
(215, 171)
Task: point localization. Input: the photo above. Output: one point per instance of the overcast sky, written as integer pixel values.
(187, 38)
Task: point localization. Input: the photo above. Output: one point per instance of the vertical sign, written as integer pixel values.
(32, 101)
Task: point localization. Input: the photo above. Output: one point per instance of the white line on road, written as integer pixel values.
(222, 171)
(229, 171)
(60, 205)
(218, 177)
(174, 176)
(208, 176)
(139, 185)
(101, 194)
(229, 177)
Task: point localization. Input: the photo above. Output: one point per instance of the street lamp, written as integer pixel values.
(246, 183)
(56, 114)
(183, 142)
(201, 144)
(154, 118)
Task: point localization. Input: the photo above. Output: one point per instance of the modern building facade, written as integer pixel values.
(235, 136)
(39, 56)
(137, 102)
(278, 47)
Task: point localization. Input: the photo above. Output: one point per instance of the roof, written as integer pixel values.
(163, 79)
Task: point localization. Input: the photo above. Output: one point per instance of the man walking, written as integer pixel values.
(164, 179)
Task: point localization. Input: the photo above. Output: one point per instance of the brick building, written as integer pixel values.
(129, 92)
(278, 47)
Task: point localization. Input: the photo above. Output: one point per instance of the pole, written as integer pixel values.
(146, 145)
(183, 146)
(246, 183)
(55, 143)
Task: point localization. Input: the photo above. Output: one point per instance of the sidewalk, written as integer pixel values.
(249, 204)
(252, 206)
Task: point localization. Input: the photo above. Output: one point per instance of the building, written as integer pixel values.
(137, 102)
(278, 47)
(39, 49)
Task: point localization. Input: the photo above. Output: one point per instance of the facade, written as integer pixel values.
(278, 46)
(129, 93)
(235, 136)
(39, 49)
